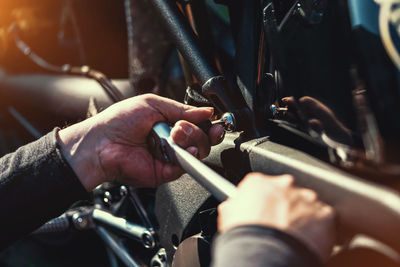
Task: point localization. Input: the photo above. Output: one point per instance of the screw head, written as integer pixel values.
(148, 240)
(107, 197)
(80, 222)
(161, 256)
(66, 68)
(229, 122)
(273, 109)
(85, 69)
(123, 191)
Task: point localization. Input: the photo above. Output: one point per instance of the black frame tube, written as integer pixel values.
(185, 40)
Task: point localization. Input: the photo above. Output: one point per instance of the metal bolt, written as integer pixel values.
(275, 109)
(161, 256)
(123, 191)
(229, 122)
(107, 197)
(85, 69)
(159, 259)
(148, 240)
(27, 51)
(66, 68)
(79, 221)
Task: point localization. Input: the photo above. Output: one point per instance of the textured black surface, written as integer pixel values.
(177, 203)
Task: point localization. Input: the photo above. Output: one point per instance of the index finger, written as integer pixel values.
(174, 111)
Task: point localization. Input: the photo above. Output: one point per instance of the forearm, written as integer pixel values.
(36, 184)
(261, 246)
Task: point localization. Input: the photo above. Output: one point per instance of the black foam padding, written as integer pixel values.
(177, 203)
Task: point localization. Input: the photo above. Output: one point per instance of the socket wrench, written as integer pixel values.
(165, 149)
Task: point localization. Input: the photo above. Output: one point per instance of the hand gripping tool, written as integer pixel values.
(165, 149)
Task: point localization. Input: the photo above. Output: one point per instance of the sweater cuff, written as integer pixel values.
(36, 185)
(254, 245)
(80, 190)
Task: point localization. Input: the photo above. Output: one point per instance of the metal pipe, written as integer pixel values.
(122, 254)
(140, 209)
(25, 123)
(185, 40)
(204, 175)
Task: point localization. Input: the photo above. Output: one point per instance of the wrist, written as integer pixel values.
(79, 145)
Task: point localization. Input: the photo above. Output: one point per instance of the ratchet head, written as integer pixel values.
(159, 138)
(164, 149)
(158, 142)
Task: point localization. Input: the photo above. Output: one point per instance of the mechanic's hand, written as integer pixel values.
(276, 202)
(113, 144)
(320, 117)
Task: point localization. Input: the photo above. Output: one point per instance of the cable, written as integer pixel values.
(110, 89)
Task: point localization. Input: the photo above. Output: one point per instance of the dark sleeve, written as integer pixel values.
(255, 246)
(36, 184)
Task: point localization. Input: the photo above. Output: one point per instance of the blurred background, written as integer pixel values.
(75, 32)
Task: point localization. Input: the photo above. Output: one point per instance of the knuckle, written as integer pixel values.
(328, 211)
(287, 180)
(253, 176)
(180, 123)
(187, 107)
(306, 99)
(148, 97)
(254, 179)
(309, 194)
(221, 207)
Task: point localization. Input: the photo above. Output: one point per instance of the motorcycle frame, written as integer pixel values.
(362, 206)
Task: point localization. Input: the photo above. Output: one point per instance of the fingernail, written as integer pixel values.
(187, 129)
(179, 134)
(193, 150)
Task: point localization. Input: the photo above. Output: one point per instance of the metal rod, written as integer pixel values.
(204, 175)
(111, 258)
(185, 40)
(133, 230)
(140, 209)
(121, 253)
(25, 123)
